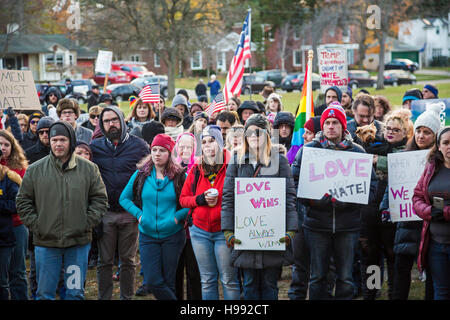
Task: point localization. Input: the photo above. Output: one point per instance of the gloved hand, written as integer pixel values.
(385, 216)
(323, 202)
(230, 238)
(437, 215)
(10, 112)
(287, 238)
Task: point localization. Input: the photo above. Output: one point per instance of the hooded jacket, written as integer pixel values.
(117, 163)
(247, 105)
(50, 90)
(9, 187)
(284, 117)
(78, 199)
(173, 132)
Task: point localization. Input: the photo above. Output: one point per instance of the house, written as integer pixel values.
(431, 35)
(49, 57)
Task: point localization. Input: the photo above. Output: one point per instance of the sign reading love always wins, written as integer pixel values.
(260, 213)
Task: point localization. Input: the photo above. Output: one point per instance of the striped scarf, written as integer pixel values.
(345, 144)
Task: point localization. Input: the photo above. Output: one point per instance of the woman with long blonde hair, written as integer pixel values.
(14, 158)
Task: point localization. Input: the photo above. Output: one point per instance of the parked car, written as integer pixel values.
(254, 83)
(143, 81)
(121, 92)
(360, 79)
(79, 96)
(295, 82)
(403, 64)
(83, 86)
(275, 75)
(398, 77)
(113, 77)
(132, 69)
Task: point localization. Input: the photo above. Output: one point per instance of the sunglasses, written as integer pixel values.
(34, 121)
(92, 116)
(257, 132)
(41, 132)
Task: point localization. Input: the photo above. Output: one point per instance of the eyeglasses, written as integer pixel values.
(93, 116)
(41, 132)
(394, 130)
(257, 132)
(34, 121)
(113, 121)
(67, 112)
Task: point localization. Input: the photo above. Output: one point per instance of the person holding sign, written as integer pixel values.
(331, 226)
(256, 158)
(431, 202)
(407, 235)
(202, 193)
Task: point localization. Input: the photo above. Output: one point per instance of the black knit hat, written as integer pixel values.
(63, 128)
(413, 94)
(45, 122)
(150, 130)
(258, 120)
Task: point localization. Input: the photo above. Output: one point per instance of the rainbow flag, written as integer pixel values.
(304, 113)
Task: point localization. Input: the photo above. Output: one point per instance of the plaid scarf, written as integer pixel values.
(346, 143)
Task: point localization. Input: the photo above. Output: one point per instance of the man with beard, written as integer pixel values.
(42, 146)
(116, 154)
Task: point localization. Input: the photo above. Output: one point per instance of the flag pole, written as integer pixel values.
(309, 84)
(250, 46)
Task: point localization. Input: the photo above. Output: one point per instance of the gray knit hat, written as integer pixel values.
(179, 99)
(215, 132)
(430, 118)
(258, 120)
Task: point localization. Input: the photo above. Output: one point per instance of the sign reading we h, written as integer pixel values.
(260, 213)
(345, 175)
(17, 90)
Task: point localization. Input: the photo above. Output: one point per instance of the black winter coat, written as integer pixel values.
(8, 195)
(37, 152)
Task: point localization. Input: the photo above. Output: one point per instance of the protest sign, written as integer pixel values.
(260, 213)
(103, 63)
(404, 171)
(342, 174)
(17, 90)
(333, 68)
(419, 106)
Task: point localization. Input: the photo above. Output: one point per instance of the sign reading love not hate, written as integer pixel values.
(345, 175)
(17, 90)
(260, 213)
(404, 171)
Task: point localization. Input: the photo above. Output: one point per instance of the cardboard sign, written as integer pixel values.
(345, 175)
(103, 63)
(260, 213)
(419, 106)
(404, 171)
(17, 90)
(333, 68)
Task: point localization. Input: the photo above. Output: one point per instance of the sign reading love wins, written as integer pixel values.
(404, 171)
(345, 175)
(260, 213)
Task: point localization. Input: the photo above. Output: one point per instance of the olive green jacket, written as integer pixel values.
(61, 206)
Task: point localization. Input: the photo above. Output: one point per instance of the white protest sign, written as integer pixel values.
(103, 63)
(260, 213)
(17, 90)
(343, 174)
(404, 171)
(333, 68)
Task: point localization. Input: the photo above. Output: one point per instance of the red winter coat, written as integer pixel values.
(204, 217)
(422, 207)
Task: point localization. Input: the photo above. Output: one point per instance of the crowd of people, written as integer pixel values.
(82, 190)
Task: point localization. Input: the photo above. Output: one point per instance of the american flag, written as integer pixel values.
(233, 84)
(150, 93)
(218, 104)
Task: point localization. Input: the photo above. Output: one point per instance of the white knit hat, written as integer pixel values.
(430, 118)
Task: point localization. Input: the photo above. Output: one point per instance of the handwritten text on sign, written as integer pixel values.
(333, 68)
(260, 206)
(103, 63)
(17, 90)
(404, 171)
(344, 175)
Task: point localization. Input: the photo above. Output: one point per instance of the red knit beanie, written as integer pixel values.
(165, 141)
(334, 110)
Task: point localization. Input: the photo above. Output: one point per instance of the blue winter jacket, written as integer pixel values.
(117, 163)
(159, 206)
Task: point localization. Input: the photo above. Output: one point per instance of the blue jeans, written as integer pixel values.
(48, 268)
(214, 261)
(261, 284)
(160, 260)
(5, 258)
(18, 285)
(323, 246)
(439, 265)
